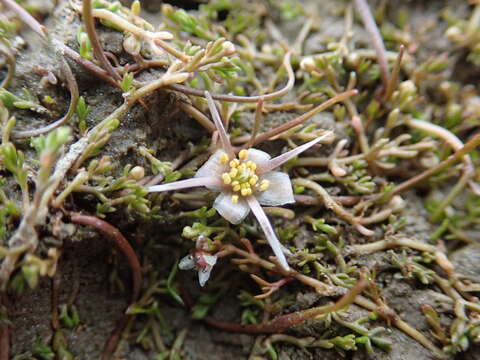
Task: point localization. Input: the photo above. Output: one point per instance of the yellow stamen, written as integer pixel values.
(243, 154)
(226, 179)
(233, 172)
(264, 185)
(224, 158)
(241, 176)
(251, 165)
(246, 191)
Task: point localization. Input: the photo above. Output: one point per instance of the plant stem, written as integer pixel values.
(282, 323)
(114, 234)
(452, 159)
(302, 118)
(376, 38)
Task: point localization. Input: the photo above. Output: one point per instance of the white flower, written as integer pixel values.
(201, 261)
(245, 183)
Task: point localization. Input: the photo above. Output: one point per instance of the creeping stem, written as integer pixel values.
(92, 35)
(282, 323)
(114, 234)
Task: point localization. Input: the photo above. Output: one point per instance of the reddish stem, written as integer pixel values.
(304, 117)
(124, 246)
(376, 39)
(114, 338)
(4, 332)
(282, 323)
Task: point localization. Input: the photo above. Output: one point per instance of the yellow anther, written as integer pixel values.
(233, 172)
(242, 167)
(253, 180)
(234, 199)
(235, 183)
(224, 158)
(264, 185)
(251, 165)
(246, 191)
(234, 163)
(243, 154)
(236, 187)
(226, 178)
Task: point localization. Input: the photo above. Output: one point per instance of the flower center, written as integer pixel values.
(242, 177)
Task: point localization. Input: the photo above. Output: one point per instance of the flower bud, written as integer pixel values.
(307, 64)
(137, 173)
(228, 48)
(453, 33)
(132, 45)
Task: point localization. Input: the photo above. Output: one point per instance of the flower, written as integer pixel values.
(245, 182)
(200, 260)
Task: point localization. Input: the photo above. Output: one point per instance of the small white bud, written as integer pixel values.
(137, 173)
(408, 87)
(228, 47)
(397, 203)
(307, 64)
(453, 33)
(132, 45)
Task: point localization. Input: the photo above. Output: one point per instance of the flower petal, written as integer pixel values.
(233, 213)
(210, 259)
(259, 157)
(283, 158)
(224, 139)
(187, 263)
(204, 275)
(213, 168)
(268, 230)
(208, 182)
(279, 191)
